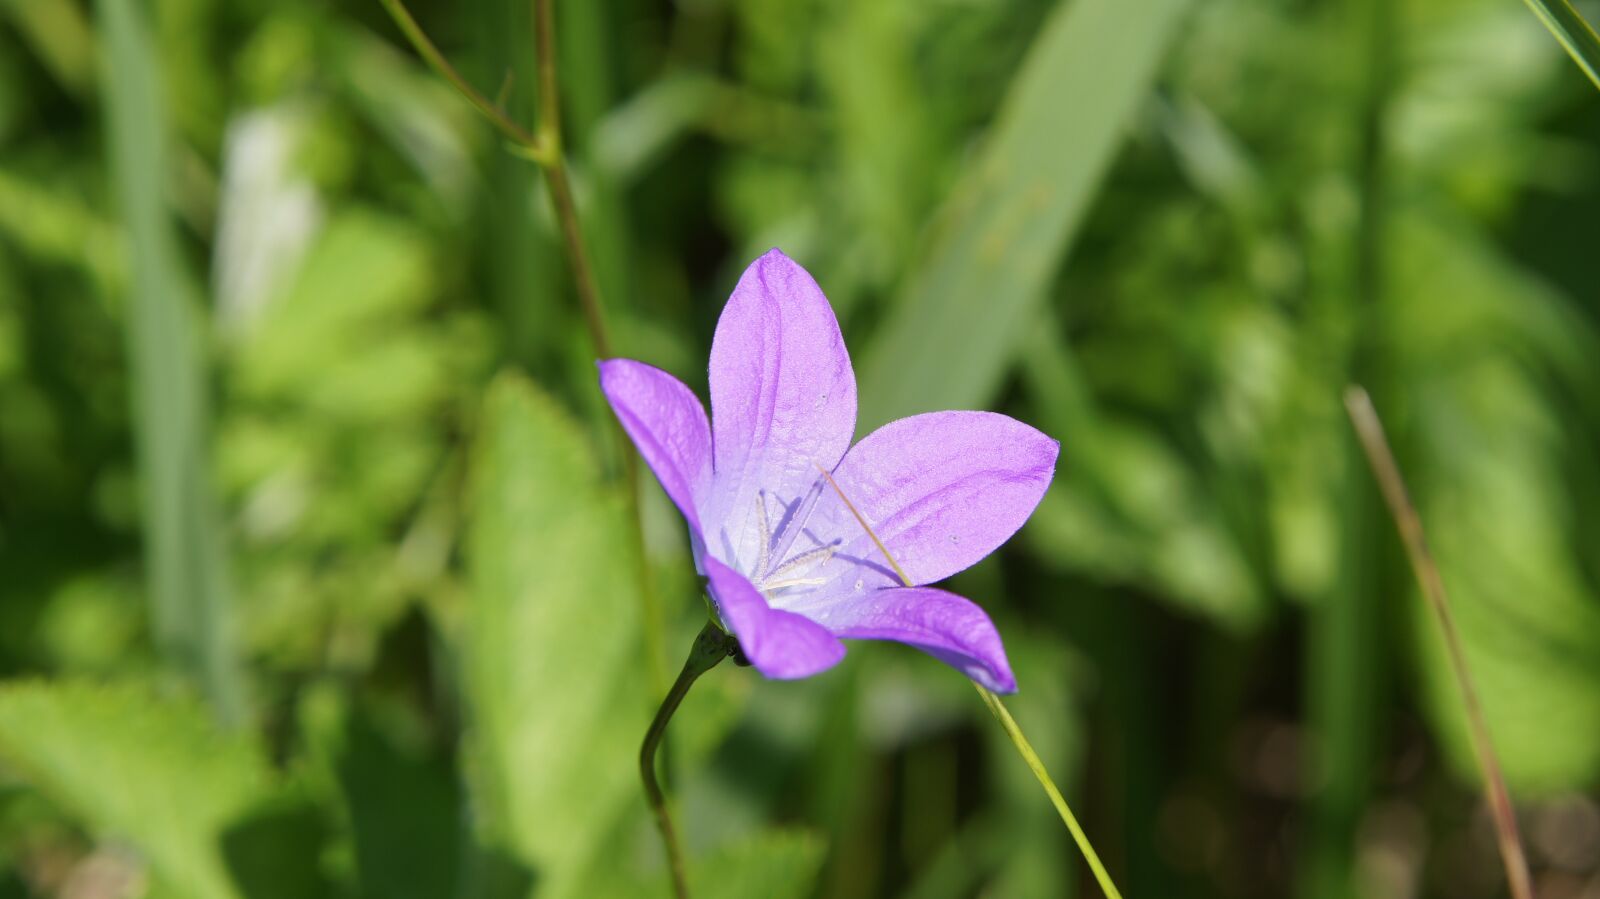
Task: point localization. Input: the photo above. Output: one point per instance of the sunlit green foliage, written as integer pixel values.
(316, 574)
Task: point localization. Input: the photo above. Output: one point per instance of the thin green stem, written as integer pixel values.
(710, 647)
(1025, 749)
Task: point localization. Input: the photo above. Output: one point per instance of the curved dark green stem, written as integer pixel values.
(712, 646)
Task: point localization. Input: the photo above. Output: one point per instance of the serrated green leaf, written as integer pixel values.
(558, 700)
(148, 769)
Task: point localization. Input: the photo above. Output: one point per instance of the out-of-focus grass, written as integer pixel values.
(1165, 233)
(190, 599)
(1012, 214)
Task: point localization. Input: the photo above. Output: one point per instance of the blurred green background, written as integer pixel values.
(316, 574)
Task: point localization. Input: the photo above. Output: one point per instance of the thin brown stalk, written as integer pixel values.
(543, 146)
(557, 177)
(1387, 472)
(554, 163)
(436, 61)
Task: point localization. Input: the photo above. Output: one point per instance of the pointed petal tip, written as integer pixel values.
(1000, 682)
(778, 264)
(990, 670)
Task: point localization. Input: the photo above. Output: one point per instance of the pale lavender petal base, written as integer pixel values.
(667, 423)
(783, 400)
(779, 644)
(948, 627)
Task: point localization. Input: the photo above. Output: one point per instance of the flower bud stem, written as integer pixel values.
(710, 647)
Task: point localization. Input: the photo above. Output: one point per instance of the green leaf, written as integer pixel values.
(1575, 34)
(769, 864)
(1135, 512)
(1498, 508)
(404, 808)
(59, 34)
(558, 702)
(47, 222)
(949, 340)
(366, 277)
(776, 864)
(137, 766)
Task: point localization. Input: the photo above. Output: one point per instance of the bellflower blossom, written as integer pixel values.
(771, 488)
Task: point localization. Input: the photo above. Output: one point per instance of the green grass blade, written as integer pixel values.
(186, 570)
(1010, 221)
(524, 269)
(1575, 34)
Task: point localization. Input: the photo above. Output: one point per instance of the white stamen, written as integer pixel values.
(793, 582)
(766, 533)
(804, 562)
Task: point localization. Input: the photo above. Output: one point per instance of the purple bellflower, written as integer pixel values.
(771, 489)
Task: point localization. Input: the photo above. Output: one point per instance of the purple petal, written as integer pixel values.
(948, 627)
(783, 401)
(668, 425)
(941, 491)
(779, 644)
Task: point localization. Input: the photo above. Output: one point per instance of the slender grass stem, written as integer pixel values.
(710, 647)
(543, 146)
(1369, 429)
(1025, 749)
(1009, 724)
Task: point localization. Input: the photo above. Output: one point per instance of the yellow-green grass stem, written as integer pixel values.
(1007, 723)
(1025, 749)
